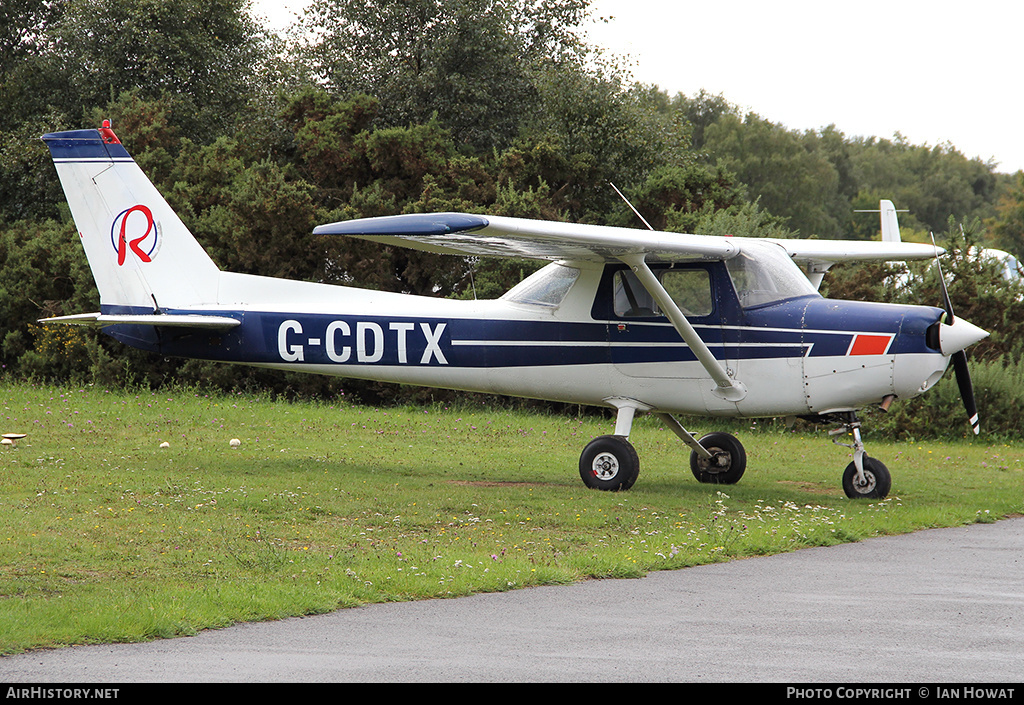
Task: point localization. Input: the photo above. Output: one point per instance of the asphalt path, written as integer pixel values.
(937, 606)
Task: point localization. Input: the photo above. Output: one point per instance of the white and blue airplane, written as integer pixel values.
(631, 320)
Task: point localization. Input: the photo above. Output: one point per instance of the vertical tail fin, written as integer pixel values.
(140, 253)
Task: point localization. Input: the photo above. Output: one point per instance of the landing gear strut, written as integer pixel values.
(865, 477)
(611, 462)
(727, 462)
(717, 458)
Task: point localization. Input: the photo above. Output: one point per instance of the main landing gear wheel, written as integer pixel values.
(876, 483)
(727, 462)
(609, 463)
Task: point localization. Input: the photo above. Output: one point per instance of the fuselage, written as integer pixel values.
(568, 334)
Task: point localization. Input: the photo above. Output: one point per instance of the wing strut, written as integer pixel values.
(728, 388)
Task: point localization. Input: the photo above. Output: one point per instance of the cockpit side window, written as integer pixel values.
(690, 289)
(631, 299)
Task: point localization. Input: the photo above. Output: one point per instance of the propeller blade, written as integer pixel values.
(963, 381)
(959, 358)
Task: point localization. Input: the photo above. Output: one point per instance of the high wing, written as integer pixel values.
(479, 235)
(832, 251)
(816, 256)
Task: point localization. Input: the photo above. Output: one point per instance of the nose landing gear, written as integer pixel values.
(865, 477)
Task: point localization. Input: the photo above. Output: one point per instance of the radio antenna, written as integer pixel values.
(630, 205)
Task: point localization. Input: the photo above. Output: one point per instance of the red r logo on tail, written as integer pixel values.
(119, 237)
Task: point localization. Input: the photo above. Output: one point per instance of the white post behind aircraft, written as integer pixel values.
(633, 320)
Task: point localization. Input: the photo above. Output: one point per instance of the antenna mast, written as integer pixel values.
(630, 205)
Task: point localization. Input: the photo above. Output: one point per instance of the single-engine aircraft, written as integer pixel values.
(627, 319)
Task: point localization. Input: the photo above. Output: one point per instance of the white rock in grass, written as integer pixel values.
(235, 442)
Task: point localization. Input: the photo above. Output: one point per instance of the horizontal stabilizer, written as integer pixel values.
(147, 319)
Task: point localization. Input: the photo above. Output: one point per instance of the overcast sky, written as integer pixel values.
(935, 71)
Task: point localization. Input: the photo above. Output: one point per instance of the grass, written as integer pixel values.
(107, 537)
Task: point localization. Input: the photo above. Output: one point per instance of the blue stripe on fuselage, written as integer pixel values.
(908, 324)
(814, 327)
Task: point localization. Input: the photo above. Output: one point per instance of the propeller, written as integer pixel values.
(959, 358)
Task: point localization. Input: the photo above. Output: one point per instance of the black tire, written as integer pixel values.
(609, 463)
(878, 484)
(728, 461)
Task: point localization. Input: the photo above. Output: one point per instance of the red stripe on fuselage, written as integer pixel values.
(870, 344)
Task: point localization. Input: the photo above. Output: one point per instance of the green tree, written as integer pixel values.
(781, 169)
(594, 127)
(31, 93)
(675, 197)
(357, 171)
(254, 217)
(23, 30)
(1007, 226)
(28, 183)
(740, 220)
(203, 53)
(701, 111)
(30, 81)
(62, 59)
(932, 183)
(43, 273)
(469, 62)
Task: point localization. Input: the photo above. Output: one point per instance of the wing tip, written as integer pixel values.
(418, 224)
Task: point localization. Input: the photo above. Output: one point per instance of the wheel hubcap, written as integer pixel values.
(606, 466)
(868, 485)
(720, 461)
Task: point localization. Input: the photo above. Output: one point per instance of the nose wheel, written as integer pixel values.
(873, 483)
(865, 477)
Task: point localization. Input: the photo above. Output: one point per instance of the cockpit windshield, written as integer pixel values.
(546, 287)
(763, 273)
